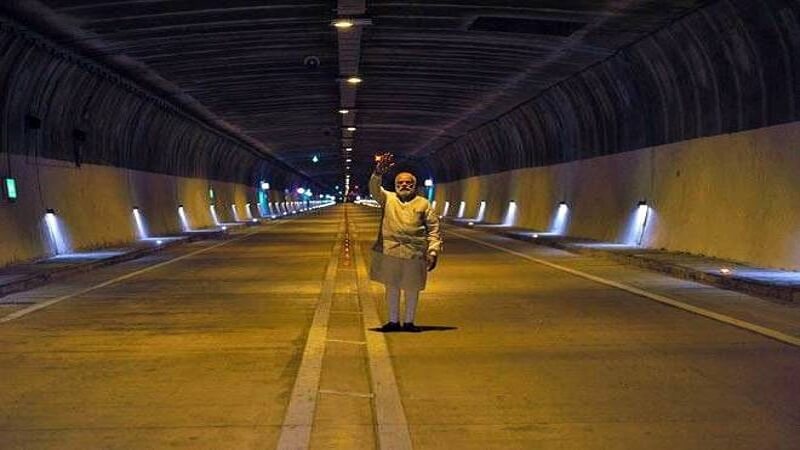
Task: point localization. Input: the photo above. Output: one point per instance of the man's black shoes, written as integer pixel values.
(391, 326)
(411, 328)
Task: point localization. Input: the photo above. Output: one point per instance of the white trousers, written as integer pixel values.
(393, 299)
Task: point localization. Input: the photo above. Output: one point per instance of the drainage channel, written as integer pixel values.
(345, 394)
(343, 417)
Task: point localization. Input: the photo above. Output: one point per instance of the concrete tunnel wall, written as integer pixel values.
(700, 119)
(84, 140)
(731, 196)
(95, 205)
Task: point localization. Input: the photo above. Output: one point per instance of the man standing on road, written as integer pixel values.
(408, 243)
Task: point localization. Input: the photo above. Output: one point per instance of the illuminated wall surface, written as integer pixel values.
(728, 196)
(699, 118)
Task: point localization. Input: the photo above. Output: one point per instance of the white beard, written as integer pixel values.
(405, 195)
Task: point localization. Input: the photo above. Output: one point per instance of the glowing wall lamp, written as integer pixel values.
(58, 239)
(235, 213)
(214, 216)
(446, 209)
(11, 189)
(211, 193)
(559, 225)
(140, 225)
(511, 214)
(184, 220)
(481, 212)
(264, 185)
(461, 207)
(638, 224)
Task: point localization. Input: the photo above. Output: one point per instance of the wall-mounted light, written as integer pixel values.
(428, 182)
(58, 239)
(511, 214)
(315, 159)
(348, 149)
(481, 212)
(264, 185)
(351, 128)
(354, 80)
(211, 193)
(638, 224)
(214, 217)
(344, 111)
(11, 189)
(140, 225)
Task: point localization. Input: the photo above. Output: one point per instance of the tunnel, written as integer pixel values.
(405, 224)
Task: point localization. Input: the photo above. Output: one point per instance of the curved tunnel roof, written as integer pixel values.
(465, 87)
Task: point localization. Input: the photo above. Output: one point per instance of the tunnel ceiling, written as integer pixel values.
(432, 70)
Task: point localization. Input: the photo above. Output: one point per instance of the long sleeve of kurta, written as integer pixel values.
(376, 190)
(409, 229)
(432, 228)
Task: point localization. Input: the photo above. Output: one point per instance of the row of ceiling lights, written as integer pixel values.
(344, 24)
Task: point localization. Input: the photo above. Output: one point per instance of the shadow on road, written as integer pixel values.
(422, 329)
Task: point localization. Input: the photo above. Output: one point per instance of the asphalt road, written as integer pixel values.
(267, 338)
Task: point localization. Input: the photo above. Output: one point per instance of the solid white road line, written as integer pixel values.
(390, 417)
(346, 394)
(770, 333)
(51, 302)
(299, 418)
(344, 341)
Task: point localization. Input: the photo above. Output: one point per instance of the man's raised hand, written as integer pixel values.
(383, 162)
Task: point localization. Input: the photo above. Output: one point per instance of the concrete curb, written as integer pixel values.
(773, 292)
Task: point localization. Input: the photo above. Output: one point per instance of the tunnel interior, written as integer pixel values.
(559, 117)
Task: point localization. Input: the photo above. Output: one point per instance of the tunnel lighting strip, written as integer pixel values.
(33, 308)
(758, 329)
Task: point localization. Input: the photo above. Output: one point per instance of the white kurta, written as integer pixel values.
(409, 230)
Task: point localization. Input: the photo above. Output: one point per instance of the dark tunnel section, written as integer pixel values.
(62, 106)
(730, 66)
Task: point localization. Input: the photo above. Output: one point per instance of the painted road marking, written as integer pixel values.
(41, 305)
(346, 394)
(344, 341)
(299, 418)
(768, 332)
(390, 417)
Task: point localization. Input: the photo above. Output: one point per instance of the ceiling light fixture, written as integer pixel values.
(344, 111)
(351, 128)
(343, 24)
(354, 80)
